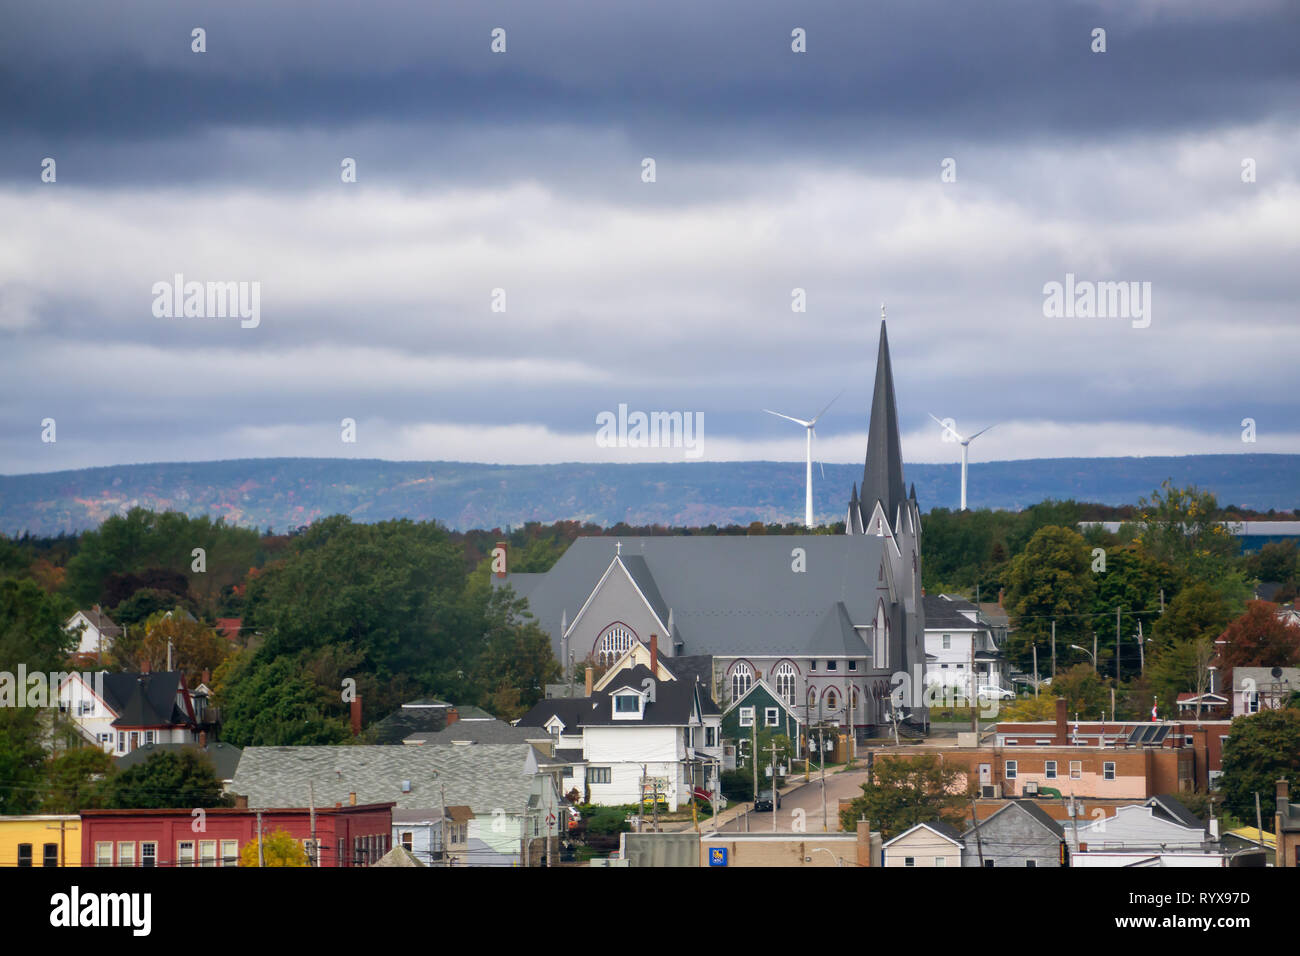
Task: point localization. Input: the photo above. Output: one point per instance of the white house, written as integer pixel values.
(97, 632)
(927, 844)
(1159, 825)
(645, 728)
(961, 649)
(120, 712)
(1262, 688)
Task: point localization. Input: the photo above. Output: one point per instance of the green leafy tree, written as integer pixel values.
(75, 780)
(1181, 527)
(193, 647)
(167, 780)
(513, 662)
(906, 791)
(1084, 691)
(279, 849)
(274, 704)
(1261, 749)
(1050, 579)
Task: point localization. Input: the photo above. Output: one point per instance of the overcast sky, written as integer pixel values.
(522, 171)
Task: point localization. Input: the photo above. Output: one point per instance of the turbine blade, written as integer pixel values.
(797, 421)
(981, 432)
(948, 428)
(828, 405)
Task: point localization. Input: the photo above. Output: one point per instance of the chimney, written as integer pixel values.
(241, 801)
(453, 715)
(1001, 592)
(144, 667)
(1062, 731)
(864, 843)
(654, 654)
(203, 740)
(591, 676)
(922, 592)
(356, 716)
(1283, 799)
(352, 799)
(499, 559)
(207, 676)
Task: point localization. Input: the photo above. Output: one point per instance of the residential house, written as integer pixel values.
(1287, 827)
(120, 712)
(648, 728)
(935, 844)
(825, 620)
(1159, 824)
(515, 805)
(223, 757)
(97, 633)
(491, 731)
(1262, 688)
(1019, 834)
(351, 835)
(40, 840)
(758, 710)
(961, 654)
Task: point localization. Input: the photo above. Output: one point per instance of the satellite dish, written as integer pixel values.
(1276, 672)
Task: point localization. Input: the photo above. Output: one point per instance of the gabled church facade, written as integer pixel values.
(827, 621)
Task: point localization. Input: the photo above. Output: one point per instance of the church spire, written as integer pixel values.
(882, 474)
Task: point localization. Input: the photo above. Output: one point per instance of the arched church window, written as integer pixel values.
(613, 643)
(783, 677)
(742, 679)
(832, 699)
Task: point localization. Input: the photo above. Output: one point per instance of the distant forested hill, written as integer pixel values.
(286, 492)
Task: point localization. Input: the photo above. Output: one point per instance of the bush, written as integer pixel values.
(738, 785)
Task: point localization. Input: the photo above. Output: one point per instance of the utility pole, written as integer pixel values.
(1162, 600)
(821, 731)
(1035, 672)
(1117, 644)
(975, 822)
(1053, 648)
(775, 791)
(261, 855)
(442, 827)
(1094, 652)
(970, 698)
(753, 759)
(1259, 821)
(1142, 651)
(311, 805)
(63, 851)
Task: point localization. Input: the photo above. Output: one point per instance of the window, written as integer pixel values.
(149, 854)
(627, 704)
(104, 854)
(771, 717)
(24, 854)
(940, 861)
(1030, 864)
(135, 739)
(988, 864)
(207, 853)
(1252, 702)
(408, 840)
(230, 853)
(184, 852)
(853, 665)
(51, 855)
(909, 861)
(85, 707)
(341, 858)
(747, 716)
(742, 679)
(832, 699)
(1108, 770)
(126, 854)
(613, 644)
(1049, 770)
(812, 665)
(598, 774)
(148, 736)
(832, 665)
(121, 741)
(566, 773)
(947, 642)
(1076, 769)
(783, 676)
(710, 736)
(1011, 770)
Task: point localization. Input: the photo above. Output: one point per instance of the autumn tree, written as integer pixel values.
(1259, 638)
(194, 647)
(1182, 528)
(279, 848)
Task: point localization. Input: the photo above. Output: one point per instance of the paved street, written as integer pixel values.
(808, 799)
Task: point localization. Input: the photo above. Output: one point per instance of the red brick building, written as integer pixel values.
(345, 836)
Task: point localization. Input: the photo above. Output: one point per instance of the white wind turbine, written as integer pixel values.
(965, 450)
(812, 432)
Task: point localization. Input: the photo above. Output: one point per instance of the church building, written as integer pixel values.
(824, 620)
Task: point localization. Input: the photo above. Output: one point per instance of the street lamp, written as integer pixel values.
(822, 849)
(1088, 652)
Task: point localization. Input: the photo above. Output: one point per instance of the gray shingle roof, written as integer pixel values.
(1028, 806)
(481, 776)
(479, 732)
(729, 595)
(941, 613)
(1176, 811)
(224, 757)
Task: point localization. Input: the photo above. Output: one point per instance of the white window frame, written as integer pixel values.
(185, 857)
(126, 853)
(784, 679)
(947, 642)
(599, 775)
(1108, 770)
(742, 679)
(1049, 769)
(104, 853)
(1076, 769)
(909, 861)
(230, 853)
(151, 846)
(1011, 768)
(208, 853)
(747, 716)
(771, 717)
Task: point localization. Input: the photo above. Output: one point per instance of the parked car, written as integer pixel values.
(764, 802)
(996, 693)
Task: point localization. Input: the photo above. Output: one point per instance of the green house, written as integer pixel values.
(761, 709)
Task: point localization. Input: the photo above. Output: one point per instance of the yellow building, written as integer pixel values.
(42, 840)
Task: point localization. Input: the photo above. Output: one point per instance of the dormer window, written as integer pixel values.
(627, 704)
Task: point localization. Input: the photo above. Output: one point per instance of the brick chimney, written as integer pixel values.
(1001, 592)
(207, 677)
(591, 679)
(352, 799)
(864, 843)
(203, 740)
(1283, 799)
(1062, 722)
(356, 716)
(144, 667)
(453, 715)
(501, 565)
(654, 654)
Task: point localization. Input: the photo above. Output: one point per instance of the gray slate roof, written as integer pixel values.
(1175, 810)
(479, 732)
(481, 776)
(224, 757)
(729, 595)
(943, 614)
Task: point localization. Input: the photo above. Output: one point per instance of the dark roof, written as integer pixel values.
(1175, 810)
(404, 722)
(470, 712)
(941, 613)
(1031, 808)
(479, 732)
(102, 621)
(570, 710)
(882, 473)
(639, 571)
(568, 756)
(145, 700)
(224, 756)
(674, 700)
(695, 668)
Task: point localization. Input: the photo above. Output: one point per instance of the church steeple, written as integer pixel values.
(882, 474)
